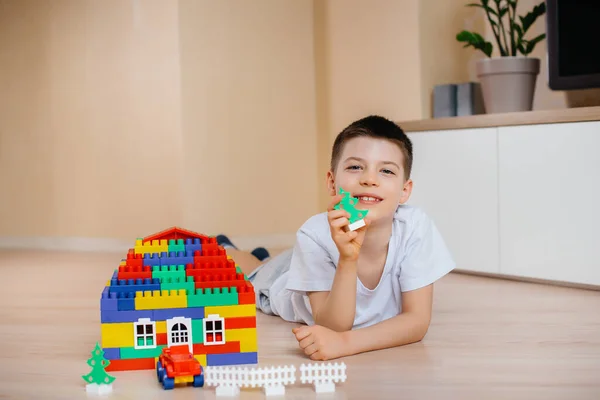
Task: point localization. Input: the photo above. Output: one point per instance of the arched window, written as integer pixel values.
(179, 334)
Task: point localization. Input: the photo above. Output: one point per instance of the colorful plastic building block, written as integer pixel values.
(193, 295)
(177, 365)
(356, 216)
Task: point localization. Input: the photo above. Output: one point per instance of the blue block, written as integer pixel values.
(176, 258)
(108, 316)
(133, 285)
(192, 245)
(108, 301)
(231, 359)
(112, 353)
(151, 260)
(163, 314)
(126, 301)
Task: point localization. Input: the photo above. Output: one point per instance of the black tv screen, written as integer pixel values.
(573, 34)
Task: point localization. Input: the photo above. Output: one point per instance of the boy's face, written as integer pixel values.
(372, 170)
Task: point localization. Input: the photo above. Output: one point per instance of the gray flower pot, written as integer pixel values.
(508, 83)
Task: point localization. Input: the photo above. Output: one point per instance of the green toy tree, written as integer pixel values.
(348, 203)
(98, 363)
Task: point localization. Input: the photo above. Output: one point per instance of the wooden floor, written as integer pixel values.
(489, 339)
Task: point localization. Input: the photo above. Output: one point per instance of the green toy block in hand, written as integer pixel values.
(357, 217)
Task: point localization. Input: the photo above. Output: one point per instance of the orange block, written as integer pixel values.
(229, 347)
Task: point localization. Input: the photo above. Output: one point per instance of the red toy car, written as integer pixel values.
(177, 365)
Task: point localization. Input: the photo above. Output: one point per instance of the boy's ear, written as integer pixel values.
(331, 183)
(406, 191)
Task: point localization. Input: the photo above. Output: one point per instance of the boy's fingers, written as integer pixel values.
(301, 333)
(334, 200)
(339, 222)
(332, 215)
(307, 341)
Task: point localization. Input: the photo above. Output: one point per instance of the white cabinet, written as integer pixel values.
(549, 195)
(455, 177)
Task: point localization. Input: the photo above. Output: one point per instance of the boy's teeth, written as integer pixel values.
(368, 198)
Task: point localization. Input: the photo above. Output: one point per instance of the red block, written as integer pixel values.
(219, 281)
(137, 272)
(246, 294)
(131, 364)
(161, 338)
(134, 260)
(229, 347)
(240, 322)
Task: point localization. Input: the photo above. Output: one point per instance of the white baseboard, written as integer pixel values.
(119, 246)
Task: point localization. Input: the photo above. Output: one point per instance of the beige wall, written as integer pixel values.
(248, 107)
(120, 118)
(89, 118)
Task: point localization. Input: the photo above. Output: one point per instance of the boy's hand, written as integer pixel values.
(348, 242)
(320, 343)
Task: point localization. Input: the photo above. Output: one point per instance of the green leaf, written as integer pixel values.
(476, 41)
(503, 11)
(485, 7)
(528, 20)
(531, 43)
(518, 29)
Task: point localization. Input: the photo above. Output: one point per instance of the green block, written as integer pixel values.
(176, 283)
(132, 352)
(213, 297)
(197, 331)
(238, 270)
(168, 271)
(176, 245)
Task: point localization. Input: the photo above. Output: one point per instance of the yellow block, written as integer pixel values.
(117, 335)
(151, 300)
(123, 263)
(156, 246)
(242, 310)
(246, 336)
(161, 326)
(201, 358)
(183, 379)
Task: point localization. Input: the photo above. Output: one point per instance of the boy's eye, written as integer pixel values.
(387, 171)
(353, 167)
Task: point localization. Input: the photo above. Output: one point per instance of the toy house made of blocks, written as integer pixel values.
(178, 287)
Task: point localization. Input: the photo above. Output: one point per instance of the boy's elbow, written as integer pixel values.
(421, 329)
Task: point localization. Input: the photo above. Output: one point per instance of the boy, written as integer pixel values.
(359, 290)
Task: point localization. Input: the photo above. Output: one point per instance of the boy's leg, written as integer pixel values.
(246, 261)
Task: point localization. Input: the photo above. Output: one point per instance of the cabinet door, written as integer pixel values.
(550, 201)
(455, 182)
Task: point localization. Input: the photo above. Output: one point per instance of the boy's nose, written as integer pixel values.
(369, 179)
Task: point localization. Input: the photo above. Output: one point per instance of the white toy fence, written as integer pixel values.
(229, 380)
(323, 376)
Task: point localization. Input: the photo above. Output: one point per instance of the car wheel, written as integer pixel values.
(159, 371)
(168, 383)
(199, 380)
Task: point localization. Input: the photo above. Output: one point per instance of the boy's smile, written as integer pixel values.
(371, 169)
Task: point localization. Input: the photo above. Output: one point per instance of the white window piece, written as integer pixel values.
(179, 331)
(214, 330)
(144, 331)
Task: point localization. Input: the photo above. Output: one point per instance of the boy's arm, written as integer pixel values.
(408, 327)
(321, 343)
(336, 309)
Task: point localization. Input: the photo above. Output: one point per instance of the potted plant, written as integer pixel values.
(507, 81)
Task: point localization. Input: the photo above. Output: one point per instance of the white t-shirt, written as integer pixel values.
(417, 256)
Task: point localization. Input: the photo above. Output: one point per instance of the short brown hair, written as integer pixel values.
(378, 127)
